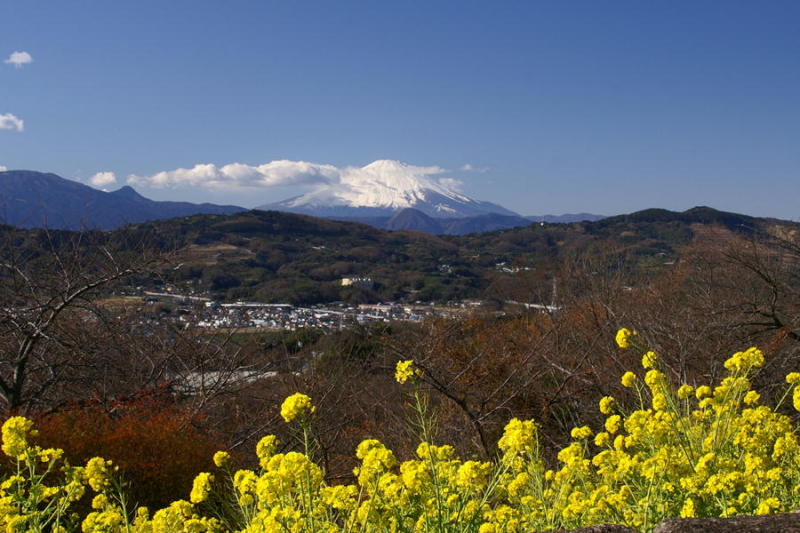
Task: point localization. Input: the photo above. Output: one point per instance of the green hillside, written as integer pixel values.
(278, 257)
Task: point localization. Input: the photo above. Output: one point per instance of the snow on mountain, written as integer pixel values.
(384, 187)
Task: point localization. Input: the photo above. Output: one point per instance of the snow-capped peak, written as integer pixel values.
(383, 183)
(385, 186)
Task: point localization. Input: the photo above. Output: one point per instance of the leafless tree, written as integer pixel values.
(47, 281)
(60, 341)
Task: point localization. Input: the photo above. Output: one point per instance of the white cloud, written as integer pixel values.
(285, 173)
(451, 184)
(103, 179)
(239, 175)
(3, 169)
(11, 122)
(472, 168)
(19, 58)
(384, 182)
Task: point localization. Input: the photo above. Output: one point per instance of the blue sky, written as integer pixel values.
(562, 106)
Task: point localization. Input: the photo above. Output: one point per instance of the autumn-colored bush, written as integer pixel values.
(157, 444)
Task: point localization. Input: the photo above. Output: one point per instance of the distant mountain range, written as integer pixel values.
(31, 199)
(566, 218)
(417, 220)
(276, 257)
(391, 195)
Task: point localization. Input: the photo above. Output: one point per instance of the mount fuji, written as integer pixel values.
(385, 187)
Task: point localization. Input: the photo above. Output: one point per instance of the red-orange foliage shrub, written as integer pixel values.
(155, 442)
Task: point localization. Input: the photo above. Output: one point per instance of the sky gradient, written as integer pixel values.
(564, 106)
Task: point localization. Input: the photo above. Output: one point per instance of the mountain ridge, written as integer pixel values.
(416, 220)
(273, 256)
(31, 199)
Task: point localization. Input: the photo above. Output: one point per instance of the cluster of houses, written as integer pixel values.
(200, 312)
(196, 310)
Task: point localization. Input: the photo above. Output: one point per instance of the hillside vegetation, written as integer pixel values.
(278, 257)
(100, 377)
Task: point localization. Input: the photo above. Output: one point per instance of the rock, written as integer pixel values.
(774, 523)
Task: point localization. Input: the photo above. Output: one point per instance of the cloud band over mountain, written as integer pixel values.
(239, 175)
(103, 179)
(288, 173)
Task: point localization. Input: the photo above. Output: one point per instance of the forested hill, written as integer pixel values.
(273, 256)
(279, 257)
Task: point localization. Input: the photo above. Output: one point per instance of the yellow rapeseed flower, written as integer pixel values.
(659, 401)
(606, 405)
(339, 496)
(518, 437)
(752, 397)
(649, 359)
(404, 371)
(653, 378)
(201, 487)
(97, 473)
(768, 505)
(266, 448)
(688, 510)
(613, 423)
(50, 454)
(602, 439)
(15, 436)
(581, 433)
(297, 406)
(221, 459)
(628, 379)
(624, 337)
(244, 481)
(376, 459)
(473, 475)
(793, 378)
(702, 391)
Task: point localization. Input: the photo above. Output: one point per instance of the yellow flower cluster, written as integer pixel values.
(628, 379)
(683, 451)
(221, 459)
(98, 474)
(404, 371)
(624, 338)
(201, 487)
(15, 436)
(297, 407)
